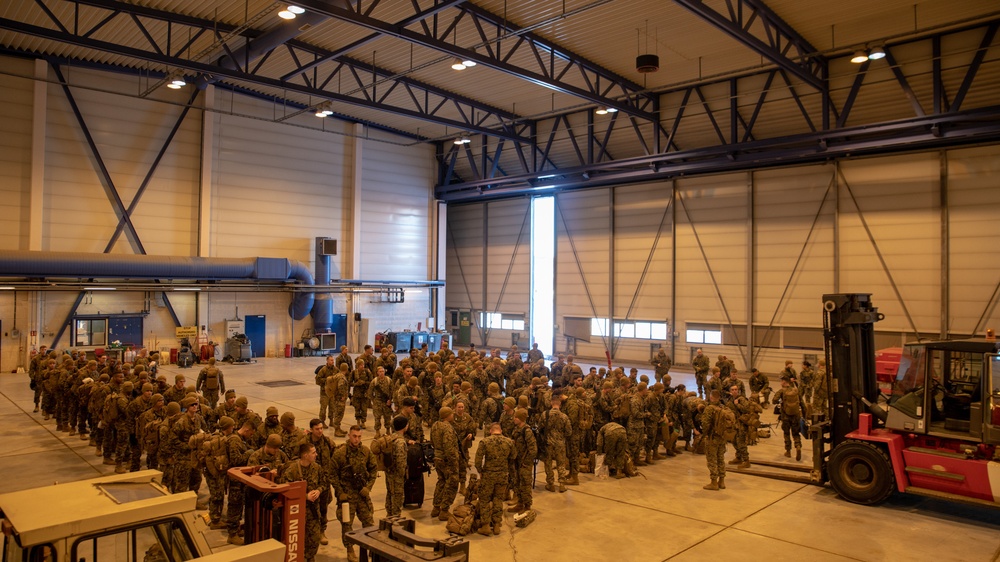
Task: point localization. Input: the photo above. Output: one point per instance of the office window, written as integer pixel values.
(711, 334)
(500, 321)
(90, 332)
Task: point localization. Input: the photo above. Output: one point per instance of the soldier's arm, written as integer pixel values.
(372, 468)
(480, 453)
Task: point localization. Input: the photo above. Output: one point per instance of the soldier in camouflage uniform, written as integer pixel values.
(715, 444)
(325, 372)
(807, 382)
(743, 410)
(526, 450)
(495, 457)
(353, 473)
(701, 365)
(380, 393)
(507, 417)
(133, 413)
(395, 472)
(238, 452)
(305, 468)
(655, 420)
(361, 379)
(269, 455)
(612, 442)
(227, 407)
(661, 365)
(465, 430)
(557, 432)
(414, 429)
(821, 390)
(268, 427)
(243, 415)
(337, 389)
(215, 475)
(116, 430)
(291, 436)
(177, 392)
(790, 414)
(637, 423)
(146, 425)
(180, 434)
(446, 459)
(760, 385)
(572, 408)
(324, 456)
(166, 456)
(211, 383)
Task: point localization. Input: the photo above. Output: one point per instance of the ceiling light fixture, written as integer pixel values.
(462, 140)
(859, 57)
(457, 64)
(176, 81)
(297, 10)
(468, 63)
(877, 53)
(604, 110)
(323, 110)
(286, 15)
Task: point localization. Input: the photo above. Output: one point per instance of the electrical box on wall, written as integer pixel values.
(328, 247)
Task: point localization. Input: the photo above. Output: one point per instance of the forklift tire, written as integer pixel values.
(861, 473)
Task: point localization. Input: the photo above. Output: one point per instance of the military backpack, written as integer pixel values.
(382, 449)
(110, 413)
(215, 454)
(724, 424)
(586, 415)
(212, 378)
(790, 404)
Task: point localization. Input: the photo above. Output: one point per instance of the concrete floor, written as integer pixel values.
(663, 514)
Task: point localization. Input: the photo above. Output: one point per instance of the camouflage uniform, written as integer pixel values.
(210, 383)
(336, 391)
(495, 456)
(446, 459)
(325, 372)
(395, 475)
(464, 427)
(324, 456)
(655, 406)
(661, 365)
(180, 435)
(557, 431)
(353, 473)
(807, 380)
(295, 472)
(759, 384)
(821, 392)
(742, 409)
(361, 378)
(526, 450)
(612, 442)
(133, 413)
(701, 366)
(166, 454)
(380, 392)
(572, 410)
(275, 462)
(636, 426)
(238, 452)
(715, 445)
(790, 422)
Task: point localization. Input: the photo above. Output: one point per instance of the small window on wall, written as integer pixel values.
(499, 321)
(91, 332)
(635, 330)
(703, 334)
(599, 327)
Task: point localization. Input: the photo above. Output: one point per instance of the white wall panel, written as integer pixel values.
(642, 211)
(974, 216)
(465, 256)
(508, 260)
(15, 153)
(898, 198)
(396, 196)
(786, 204)
(128, 132)
(583, 222)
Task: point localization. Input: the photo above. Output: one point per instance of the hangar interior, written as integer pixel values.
(550, 192)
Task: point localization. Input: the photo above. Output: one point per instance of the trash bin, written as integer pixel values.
(173, 355)
(288, 350)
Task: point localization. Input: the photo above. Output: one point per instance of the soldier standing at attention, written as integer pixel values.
(806, 381)
(336, 392)
(380, 394)
(395, 472)
(361, 378)
(790, 414)
(305, 468)
(322, 374)
(557, 431)
(210, 383)
(495, 456)
(526, 450)
(353, 474)
(715, 444)
(701, 366)
(446, 459)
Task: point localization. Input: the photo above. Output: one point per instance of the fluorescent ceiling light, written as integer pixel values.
(7, 288)
(98, 288)
(187, 288)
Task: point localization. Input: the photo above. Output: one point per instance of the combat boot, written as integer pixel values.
(562, 487)
(234, 539)
(444, 515)
(485, 530)
(120, 469)
(436, 511)
(84, 436)
(619, 475)
(573, 480)
(351, 555)
(339, 432)
(722, 482)
(713, 485)
(516, 509)
(744, 464)
(734, 461)
(109, 461)
(550, 487)
(36, 408)
(649, 456)
(99, 452)
(639, 461)
(72, 431)
(788, 453)
(657, 456)
(798, 453)
(497, 528)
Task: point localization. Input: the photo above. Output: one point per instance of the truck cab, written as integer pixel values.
(948, 389)
(123, 518)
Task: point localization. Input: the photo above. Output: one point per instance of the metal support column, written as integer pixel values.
(945, 245)
(751, 270)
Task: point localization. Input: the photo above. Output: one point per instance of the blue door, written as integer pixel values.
(340, 328)
(256, 328)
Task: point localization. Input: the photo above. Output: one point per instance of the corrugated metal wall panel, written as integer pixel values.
(508, 260)
(641, 211)
(788, 204)
(898, 198)
(129, 132)
(974, 200)
(465, 256)
(15, 153)
(277, 188)
(395, 202)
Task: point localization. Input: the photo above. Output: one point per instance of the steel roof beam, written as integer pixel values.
(472, 122)
(603, 88)
(781, 44)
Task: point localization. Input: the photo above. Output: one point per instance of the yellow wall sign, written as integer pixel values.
(186, 332)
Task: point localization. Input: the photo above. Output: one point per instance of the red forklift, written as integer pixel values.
(937, 433)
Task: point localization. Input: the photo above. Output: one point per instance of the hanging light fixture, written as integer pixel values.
(458, 64)
(286, 15)
(323, 110)
(176, 82)
(604, 110)
(877, 53)
(859, 57)
(297, 10)
(468, 63)
(462, 140)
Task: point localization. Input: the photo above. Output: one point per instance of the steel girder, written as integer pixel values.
(755, 25)
(499, 41)
(317, 68)
(824, 130)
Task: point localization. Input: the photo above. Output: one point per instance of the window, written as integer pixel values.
(499, 321)
(90, 331)
(711, 334)
(164, 540)
(639, 329)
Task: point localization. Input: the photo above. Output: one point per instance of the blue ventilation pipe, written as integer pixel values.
(118, 266)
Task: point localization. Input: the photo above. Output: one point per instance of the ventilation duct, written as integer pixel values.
(322, 311)
(118, 266)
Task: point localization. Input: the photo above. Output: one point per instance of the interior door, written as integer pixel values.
(256, 330)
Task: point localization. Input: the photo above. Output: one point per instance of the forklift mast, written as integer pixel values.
(849, 341)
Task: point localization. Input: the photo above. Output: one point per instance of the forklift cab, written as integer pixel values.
(940, 389)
